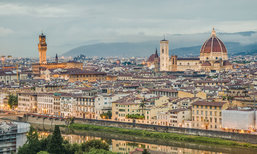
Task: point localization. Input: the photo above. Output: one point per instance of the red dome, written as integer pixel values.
(213, 44)
(206, 63)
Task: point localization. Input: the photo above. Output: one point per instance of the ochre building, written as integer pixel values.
(43, 65)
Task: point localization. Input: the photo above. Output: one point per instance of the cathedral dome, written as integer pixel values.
(206, 63)
(213, 44)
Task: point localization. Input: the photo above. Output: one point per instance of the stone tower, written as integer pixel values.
(42, 47)
(174, 63)
(164, 55)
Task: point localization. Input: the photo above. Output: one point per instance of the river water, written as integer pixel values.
(126, 144)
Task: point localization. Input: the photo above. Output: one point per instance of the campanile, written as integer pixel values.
(42, 47)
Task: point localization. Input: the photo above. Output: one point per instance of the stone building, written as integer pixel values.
(154, 61)
(207, 115)
(43, 65)
(213, 57)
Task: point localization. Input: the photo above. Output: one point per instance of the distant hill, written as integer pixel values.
(115, 49)
(180, 44)
(144, 49)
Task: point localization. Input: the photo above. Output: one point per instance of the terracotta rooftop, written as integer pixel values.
(208, 103)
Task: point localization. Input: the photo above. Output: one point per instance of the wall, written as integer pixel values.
(188, 131)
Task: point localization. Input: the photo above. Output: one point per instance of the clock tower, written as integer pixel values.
(42, 47)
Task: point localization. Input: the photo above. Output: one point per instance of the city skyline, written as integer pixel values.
(72, 24)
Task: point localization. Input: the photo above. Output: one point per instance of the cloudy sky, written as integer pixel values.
(71, 23)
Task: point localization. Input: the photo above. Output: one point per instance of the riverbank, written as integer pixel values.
(179, 134)
(163, 136)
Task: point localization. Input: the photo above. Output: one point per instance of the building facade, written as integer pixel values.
(213, 57)
(207, 115)
(43, 65)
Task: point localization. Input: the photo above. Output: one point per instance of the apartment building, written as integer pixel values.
(27, 102)
(67, 105)
(207, 115)
(84, 106)
(45, 103)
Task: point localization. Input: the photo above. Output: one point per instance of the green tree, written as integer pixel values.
(96, 144)
(56, 142)
(43, 152)
(107, 115)
(13, 101)
(72, 148)
(145, 152)
(32, 144)
(142, 105)
(99, 151)
(135, 116)
(32, 136)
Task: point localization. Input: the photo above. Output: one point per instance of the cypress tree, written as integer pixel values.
(55, 144)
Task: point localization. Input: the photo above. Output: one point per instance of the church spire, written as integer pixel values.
(56, 58)
(213, 33)
(156, 53)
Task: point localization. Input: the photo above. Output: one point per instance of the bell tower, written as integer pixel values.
(164, 55)
(42, 47)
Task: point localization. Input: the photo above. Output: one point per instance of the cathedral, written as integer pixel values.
(213, 57)
(43, 65)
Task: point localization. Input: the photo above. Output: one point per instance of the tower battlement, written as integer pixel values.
(42, 48)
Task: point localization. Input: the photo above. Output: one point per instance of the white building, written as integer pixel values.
(9, 76)
(175, 118)
(27, 102)
(67, 105)
(45, 103)
(84, 107)
(103, 103)
(238, 119)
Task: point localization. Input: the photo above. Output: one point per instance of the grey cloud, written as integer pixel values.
(69, 24)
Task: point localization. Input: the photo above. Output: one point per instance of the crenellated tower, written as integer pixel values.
(42, 47)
